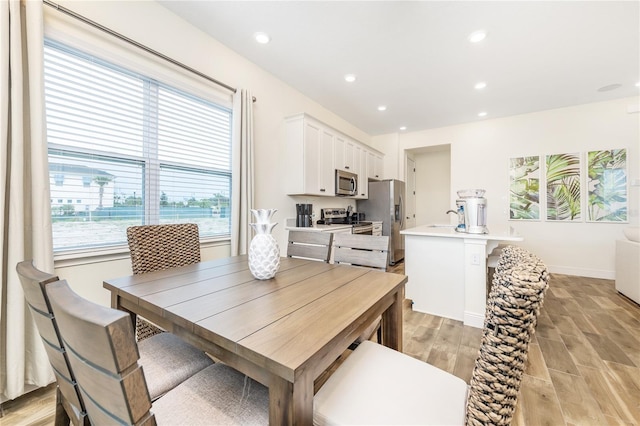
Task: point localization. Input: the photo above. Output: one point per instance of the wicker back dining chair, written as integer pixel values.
(310, 245)
(167, 360)
(394, 388)
(158, 247)
(104, 355)
(69, 405)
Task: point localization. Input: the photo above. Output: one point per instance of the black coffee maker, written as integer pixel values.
(304, 213)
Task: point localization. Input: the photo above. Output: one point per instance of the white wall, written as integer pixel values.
(479, 159)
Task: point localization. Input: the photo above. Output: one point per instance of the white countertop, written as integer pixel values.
(319, 228)
(448, 231)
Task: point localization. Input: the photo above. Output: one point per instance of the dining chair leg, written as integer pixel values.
(61, 416)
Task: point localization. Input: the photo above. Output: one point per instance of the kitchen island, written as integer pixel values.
(447, 270)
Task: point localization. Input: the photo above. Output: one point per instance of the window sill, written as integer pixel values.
(96, 255)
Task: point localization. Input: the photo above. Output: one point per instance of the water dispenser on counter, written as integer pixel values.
(471, 209)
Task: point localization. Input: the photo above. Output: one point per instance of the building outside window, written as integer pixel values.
(130, 150)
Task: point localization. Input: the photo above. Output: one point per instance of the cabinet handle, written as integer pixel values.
(322, 190)
(346, 167)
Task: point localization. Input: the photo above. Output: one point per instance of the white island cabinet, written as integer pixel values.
(447, 270)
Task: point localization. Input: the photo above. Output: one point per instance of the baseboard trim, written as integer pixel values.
(582, 272)
(473, 319)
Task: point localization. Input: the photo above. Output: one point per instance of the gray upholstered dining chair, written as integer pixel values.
(157, 247)
(310, 245)
(104, 356)
(366, 251)
(394, 388)
(167, 360)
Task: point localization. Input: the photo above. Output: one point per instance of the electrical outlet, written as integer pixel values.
(475, 259)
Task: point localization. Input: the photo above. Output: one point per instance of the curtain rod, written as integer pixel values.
(135, 43)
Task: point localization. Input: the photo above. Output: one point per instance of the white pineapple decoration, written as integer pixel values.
(264, 253)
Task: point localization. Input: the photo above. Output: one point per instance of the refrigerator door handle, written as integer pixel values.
(401, 212)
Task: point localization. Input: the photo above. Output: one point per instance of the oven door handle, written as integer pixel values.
(366, 230)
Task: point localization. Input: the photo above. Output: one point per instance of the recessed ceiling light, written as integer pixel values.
(350, 78)
(262, 38)
(477, 36)
(638, 84)
(382, 108)
(482, 114)
(403, 128)
(610, 87)
(480, 85)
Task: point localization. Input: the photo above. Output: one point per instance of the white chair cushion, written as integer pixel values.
(377, 385)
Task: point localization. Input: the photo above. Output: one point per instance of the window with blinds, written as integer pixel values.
(125, 149)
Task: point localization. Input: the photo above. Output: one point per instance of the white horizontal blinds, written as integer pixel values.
(194, 151)
(193, 132)
(91, 106)
(126, 150)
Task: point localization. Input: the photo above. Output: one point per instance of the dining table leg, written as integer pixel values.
(291, 403)
(392, 322)
(116, 304)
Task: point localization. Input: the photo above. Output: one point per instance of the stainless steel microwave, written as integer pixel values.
(346, 183)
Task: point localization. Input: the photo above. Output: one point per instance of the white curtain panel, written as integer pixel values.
(242, 171)
(25, 227)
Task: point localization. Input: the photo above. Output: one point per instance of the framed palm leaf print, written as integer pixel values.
(607, 186)
(563, 187)
(524, 188)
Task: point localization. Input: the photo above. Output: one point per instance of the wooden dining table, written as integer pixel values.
(282, 332)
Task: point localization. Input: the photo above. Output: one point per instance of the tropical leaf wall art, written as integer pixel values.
(524, 188)
(563, 187)
(607, 185)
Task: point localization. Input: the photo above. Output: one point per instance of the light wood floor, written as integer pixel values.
(583, 368)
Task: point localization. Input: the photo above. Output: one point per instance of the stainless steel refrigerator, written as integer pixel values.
(386, 203)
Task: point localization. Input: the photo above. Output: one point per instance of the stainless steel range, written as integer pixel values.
(341, 216)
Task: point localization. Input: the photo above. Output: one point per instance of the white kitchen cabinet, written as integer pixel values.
(309, 155)
(344, 154)
(374, 165)
(360, 157)
(327, 168)
(314, 150)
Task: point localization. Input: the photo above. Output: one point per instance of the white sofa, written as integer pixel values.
(628, 264)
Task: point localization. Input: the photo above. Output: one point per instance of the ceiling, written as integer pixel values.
(415, 57)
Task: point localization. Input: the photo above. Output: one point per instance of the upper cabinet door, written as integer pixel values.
(312, 160)
(360, 160)
(374, 166)
(339, 147)
(327, 169)
(349, 156)
(344, 154)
